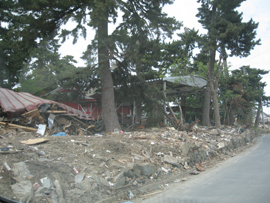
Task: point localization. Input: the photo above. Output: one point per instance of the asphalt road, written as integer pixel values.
(243, 178)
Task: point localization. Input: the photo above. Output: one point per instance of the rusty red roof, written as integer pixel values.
(20, 102)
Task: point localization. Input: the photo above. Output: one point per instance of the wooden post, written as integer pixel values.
(19, 126)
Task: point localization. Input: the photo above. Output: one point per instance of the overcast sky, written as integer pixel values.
(186, 10)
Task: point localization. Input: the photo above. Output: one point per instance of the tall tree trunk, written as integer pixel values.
(231, 119)
(216, 106)
(138, 112)
(212, 87)
(258, 115)
(181, 115)
(183, 103)
(211, 67)
(229, 116)
(108, 108)
(206, 107)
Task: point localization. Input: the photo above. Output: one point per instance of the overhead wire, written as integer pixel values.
(242, 63)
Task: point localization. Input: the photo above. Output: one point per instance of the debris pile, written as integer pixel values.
(109, 167)
(50, 153)
(23, 111)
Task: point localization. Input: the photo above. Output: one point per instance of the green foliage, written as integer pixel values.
(225, 27)
(23, 24)
(226, 34)
(241, 91)
(48, 71)
(135, 47)
(138, 37)
(176, 56)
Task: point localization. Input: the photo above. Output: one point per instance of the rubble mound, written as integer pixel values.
(108, 167)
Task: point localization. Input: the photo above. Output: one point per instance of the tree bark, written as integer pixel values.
(138, 112)
(206, 107)
(183, 103)
(181, 114)
(108, 108)
(258, 115)
(211, 67)
(212, 87)
(216, 106)
(231, 119)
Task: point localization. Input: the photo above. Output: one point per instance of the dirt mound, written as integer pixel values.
(112, 166)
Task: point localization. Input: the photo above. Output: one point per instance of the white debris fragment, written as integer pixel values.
(130, 194)
(186, 166)
(221, 145)
(165, 170)
(160, 154)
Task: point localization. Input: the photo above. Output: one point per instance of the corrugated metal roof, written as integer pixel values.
(188, 80)
(20, 102)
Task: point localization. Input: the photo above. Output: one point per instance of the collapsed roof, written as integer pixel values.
(16, 103)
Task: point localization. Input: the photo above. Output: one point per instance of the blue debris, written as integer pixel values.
(127, 202)
(60, 134)
(5, 149)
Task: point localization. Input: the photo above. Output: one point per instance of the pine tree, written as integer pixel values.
(242, 91)
(137, 48)
(253, 87)
(226, 33)
(46, 70)
(36, 20)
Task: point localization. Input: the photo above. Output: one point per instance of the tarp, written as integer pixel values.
(20, 102)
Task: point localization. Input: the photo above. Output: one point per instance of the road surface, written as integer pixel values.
(244, 178)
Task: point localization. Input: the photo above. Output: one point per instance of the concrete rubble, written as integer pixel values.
(110, 167)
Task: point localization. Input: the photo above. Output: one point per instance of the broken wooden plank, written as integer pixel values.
(120, 161)
(67, 114)
(79, 132)
(32, 114)
(53, 106)
(54, 111)
(84, 124)
(181, 113)
(153, 193)
(18, 126)
(141, 138)
(90, 126)
(34, 141)
(82, 143)
(63, 121)
(177, 121)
